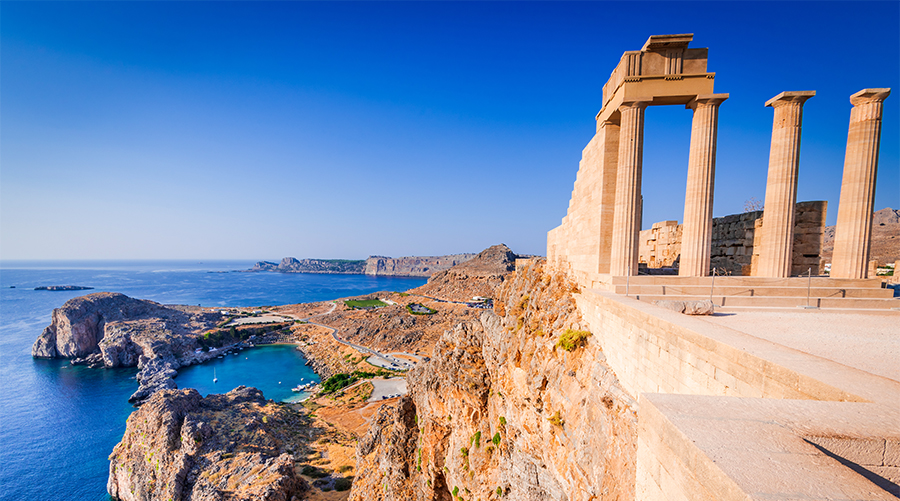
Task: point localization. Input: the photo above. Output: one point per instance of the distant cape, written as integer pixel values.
(410, 266)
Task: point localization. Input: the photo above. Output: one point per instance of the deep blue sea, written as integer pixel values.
(58, 423)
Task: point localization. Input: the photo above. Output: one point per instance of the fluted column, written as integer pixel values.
(624, 251)
(607, 191)
(696, 238)
(781, 186)
(852, 236)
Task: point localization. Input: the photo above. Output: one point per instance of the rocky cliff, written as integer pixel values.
(107, 329)
(519, 405)
(181, 446)
(478, 276)
(413, 266)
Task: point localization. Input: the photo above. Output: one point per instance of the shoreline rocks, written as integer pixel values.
(179, 445)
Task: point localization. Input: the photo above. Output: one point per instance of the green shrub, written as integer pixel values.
(313, 472)
(343, 484)
(496, 438)
(502, 421)
(572, 339)
(455, 492)
(557, 420)
(499, 491)
(476, 440)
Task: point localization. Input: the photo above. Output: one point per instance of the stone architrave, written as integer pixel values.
(698, 201)
(852, 236)
(624, 251)
(781, 186)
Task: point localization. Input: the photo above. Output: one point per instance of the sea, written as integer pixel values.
(59, 423)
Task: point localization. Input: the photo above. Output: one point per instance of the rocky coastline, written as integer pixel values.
(410, 266)
(109, 330)
(179, 445)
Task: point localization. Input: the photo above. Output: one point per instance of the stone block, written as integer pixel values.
(891, 452)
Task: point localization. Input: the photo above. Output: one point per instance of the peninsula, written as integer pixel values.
(410, 266)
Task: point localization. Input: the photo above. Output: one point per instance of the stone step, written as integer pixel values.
(782, 302)
(754, 291)
(874, 283)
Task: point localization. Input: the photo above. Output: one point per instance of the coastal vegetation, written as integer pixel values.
(572, 339)
(343, 380)
(365, 303)
(219, 337)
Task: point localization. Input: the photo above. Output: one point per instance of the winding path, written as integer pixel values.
(396, 363)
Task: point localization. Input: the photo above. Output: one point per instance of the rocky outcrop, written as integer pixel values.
(479, 276)
(506, 409)
(180, 446)
(413, 266)
(62, 288)
(107, 329)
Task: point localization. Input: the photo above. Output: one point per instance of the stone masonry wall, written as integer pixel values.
(736, 239)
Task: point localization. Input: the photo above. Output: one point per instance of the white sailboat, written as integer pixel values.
(215, 379)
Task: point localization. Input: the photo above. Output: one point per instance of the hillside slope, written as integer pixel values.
(502, 411)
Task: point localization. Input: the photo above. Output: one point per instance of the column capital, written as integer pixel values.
(790, 97)
(607, 122)
(706, 100)
(866, 96)
(640, 103)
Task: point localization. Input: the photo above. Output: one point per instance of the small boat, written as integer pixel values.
(215, 379)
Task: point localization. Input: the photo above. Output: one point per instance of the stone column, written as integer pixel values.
(624, 248)
(607, 192)
(781, 186)
(852, 236)
(696, 236)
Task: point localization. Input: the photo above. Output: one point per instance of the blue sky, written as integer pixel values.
(338, 130)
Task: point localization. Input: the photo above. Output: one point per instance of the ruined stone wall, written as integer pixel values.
(660, 246)
(737, 238)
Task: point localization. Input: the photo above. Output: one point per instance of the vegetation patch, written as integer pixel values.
(342, 380)
(557, 420)
(572, 339)
(343, 484)
(420, 309)
(313, 472)
(365, 303)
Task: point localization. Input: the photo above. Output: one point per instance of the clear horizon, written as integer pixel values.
(255, 131)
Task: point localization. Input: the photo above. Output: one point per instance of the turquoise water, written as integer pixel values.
(273, 369)
(58, 423)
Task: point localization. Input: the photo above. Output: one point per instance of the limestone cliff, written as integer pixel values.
(519, 405)
(413, 266)
(108, 329)
(235, 446)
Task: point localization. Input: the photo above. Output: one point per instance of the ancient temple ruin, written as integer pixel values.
(599, 238)
(792, 393)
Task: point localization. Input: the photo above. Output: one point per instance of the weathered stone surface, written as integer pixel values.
(179, 445)
(564, 428)
(113, 330)
(704, 307)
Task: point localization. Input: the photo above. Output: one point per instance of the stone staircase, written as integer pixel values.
(759, 292)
